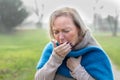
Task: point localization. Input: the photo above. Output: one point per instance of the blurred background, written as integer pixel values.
(24, 32)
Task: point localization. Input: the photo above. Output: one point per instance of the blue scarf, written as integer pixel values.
(94, 60)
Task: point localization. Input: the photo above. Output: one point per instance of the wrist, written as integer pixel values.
(79, 67)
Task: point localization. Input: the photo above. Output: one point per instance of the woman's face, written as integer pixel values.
(64, 30)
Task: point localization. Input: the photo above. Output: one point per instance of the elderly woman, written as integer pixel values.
(73, 54)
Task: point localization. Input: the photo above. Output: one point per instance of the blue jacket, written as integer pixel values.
(94, 60)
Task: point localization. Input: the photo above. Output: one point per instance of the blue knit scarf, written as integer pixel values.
(94, 60)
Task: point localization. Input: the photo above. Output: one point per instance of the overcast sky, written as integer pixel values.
(85, 7)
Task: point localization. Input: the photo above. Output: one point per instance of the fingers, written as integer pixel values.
(75, 59)
(54, 43)
(79, 58)
(63, 49)
(72, 62)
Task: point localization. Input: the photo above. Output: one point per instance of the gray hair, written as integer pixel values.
(66, 11)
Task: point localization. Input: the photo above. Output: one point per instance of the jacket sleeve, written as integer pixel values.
(81, 74)
(47, 72)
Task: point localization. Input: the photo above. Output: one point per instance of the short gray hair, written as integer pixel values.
(71, 12)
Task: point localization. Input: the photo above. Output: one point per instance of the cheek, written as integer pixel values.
(56, 37)
(67, 37)
(71, 37)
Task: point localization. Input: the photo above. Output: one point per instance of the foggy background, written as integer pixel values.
(86, 8)
(97, 14)
(24, 32)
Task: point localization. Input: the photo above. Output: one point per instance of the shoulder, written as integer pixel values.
(48, 46)
(95, 55)
(97, 52)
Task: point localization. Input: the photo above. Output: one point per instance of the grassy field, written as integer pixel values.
(20, 53)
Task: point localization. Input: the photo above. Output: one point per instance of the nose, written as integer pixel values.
(61, 38)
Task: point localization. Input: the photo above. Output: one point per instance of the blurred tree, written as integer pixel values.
(37, 12)
(113, 23)
(96, 15)
(12, 13)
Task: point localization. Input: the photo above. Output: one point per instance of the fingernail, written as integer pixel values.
(67, 43)
(71, 44)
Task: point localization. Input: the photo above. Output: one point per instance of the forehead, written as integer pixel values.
(63, 22)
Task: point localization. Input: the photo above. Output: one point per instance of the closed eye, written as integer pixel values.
(66, 31)
(55, 32)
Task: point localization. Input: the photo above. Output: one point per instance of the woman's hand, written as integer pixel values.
(72, 63)
(63, 49)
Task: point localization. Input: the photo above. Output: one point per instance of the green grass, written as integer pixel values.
(20, 53)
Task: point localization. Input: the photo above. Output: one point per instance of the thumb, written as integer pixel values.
(54, 43)
(79, 58)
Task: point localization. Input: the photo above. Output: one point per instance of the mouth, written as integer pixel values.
(68, 43)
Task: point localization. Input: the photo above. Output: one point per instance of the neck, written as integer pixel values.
(84, 41)
(79, 41)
